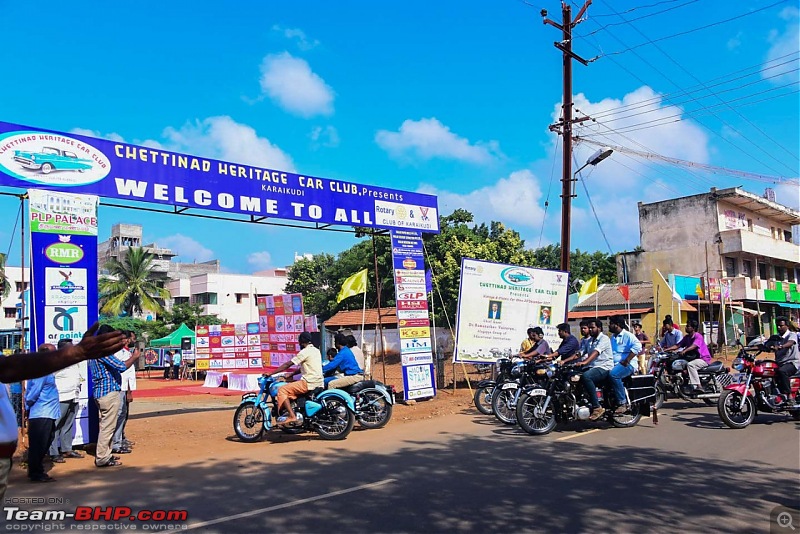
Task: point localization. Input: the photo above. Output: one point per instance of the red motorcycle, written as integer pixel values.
(754, 389)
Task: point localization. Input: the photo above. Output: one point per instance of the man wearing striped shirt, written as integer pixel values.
(107, 384)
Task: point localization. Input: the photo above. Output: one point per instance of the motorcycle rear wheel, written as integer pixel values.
(728, 407)
(334, 421)
(503, 407)
(530, 416)
(374, 411)
(483, 399)
(248, 422)
(628, 419)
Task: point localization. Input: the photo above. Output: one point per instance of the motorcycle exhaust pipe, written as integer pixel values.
(708, 396)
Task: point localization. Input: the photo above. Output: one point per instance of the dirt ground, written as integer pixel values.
(164, 416)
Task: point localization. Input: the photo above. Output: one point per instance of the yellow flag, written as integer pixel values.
(355, 285)
(588, 288)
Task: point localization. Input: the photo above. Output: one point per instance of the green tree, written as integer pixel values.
(189, 314)
(130, 288)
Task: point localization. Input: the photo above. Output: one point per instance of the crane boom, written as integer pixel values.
(683, 163)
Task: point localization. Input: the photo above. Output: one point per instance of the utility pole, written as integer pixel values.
(564, 127)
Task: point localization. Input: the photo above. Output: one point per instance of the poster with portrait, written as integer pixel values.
(497, 303)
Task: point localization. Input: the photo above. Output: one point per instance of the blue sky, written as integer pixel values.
(451, 98)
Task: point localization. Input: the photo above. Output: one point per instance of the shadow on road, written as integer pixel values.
(460, 483)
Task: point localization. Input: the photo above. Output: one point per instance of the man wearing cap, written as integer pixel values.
(310, 361)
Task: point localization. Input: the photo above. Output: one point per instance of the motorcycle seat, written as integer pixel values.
(713, 367)
(358, 386)
(313, 394)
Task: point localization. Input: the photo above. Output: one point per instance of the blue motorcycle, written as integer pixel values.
(329, 412)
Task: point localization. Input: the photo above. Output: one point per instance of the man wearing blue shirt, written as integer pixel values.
(599, 362)
(569, 344)
(672, 336)
(625, 348)
(344, 363)
(107, 380)
(41, 398)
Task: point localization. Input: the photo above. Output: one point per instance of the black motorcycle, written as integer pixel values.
(565, 399)
(523, 374)
(484, 390)
(672, 378)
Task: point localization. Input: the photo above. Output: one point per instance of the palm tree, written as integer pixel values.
(130, 288)
(5, 290)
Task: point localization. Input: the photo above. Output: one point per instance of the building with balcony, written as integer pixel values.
(728, 237)
(230, 296)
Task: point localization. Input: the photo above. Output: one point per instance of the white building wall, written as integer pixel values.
(9, 304)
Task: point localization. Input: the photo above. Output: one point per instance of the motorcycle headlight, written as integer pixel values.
(574, 378)
(541, 371)
(679, 365)
(550, 372)
(738, 364)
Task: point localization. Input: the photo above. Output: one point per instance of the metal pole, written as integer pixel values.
(566, 176)
(378, 291)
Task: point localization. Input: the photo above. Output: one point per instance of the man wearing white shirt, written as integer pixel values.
(120, 445)
(68, 382)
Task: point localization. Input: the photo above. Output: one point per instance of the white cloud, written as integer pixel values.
(186, 248)
(297, 35)
(260, 260)
(735, 41)
(290, 82)
(223, 138)
(327, 137)
(783, 42)
(515, 201)
(93, 133)
(429, 138)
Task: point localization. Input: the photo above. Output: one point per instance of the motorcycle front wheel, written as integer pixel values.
(731, 411)
(374, 411)
(532, 417)
(627, 419)
(503, 405)
(483, 399)
(334, 421)
(248, 422)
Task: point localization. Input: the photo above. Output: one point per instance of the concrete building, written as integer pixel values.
(230, 296)
(745, 240)
(9, 320)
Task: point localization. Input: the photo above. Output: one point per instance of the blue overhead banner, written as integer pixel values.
(79, 164)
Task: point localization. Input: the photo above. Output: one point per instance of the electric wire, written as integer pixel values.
(549, 188)
(670, 80)
(655, 100)
(14, 231)
(693, 30)
(591, 204)
(690, 113)
(639, 18)
(637, 8)
(665, 97)
(689, 73)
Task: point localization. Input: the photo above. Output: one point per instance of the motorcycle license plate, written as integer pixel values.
(538, 392)
(510, 386)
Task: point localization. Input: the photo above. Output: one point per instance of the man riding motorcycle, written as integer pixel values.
(786, 356)
(345, 363)
(625, 348)
(599, 362)
(310, 361)
(693, 347)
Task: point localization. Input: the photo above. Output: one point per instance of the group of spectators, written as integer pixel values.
(172, 365)
(43, 364)
(51, 403)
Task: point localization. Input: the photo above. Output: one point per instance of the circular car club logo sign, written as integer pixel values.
(51, 159)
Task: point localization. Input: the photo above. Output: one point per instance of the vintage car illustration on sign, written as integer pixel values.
(51, 159)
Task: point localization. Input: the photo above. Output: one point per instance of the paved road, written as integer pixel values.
(468, 473)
